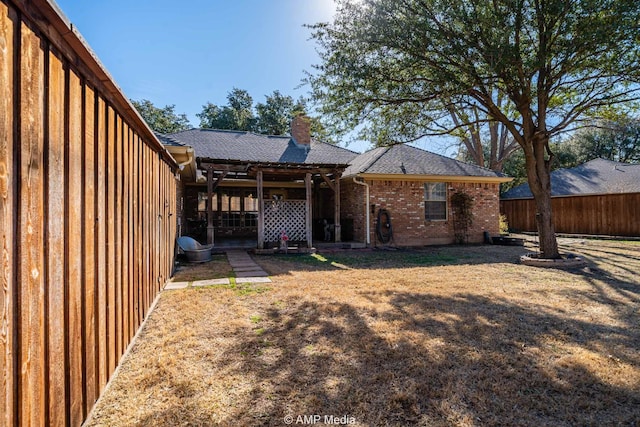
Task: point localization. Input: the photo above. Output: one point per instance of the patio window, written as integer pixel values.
(202, 204)
(250, 210)
(231, 209)
(435, 201)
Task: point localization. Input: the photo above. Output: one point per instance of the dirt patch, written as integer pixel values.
(442, 336)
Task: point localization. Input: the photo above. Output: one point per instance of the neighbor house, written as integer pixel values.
(600, 197)
(244, 185)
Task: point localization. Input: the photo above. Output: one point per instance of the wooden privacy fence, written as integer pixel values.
(87, 195)
(605, 214)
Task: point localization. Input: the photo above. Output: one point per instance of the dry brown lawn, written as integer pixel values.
(441, 336)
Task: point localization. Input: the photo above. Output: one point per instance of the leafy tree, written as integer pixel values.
(487, 142)
(618, 141)
(389, 64)
(163, 120)
(236, 115)
(274, 116)
(514, 167)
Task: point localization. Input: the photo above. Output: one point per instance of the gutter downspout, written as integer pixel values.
(189, 152)
(366, 208)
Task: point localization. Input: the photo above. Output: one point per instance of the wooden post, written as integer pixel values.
(336, 215)
(307, 184)
(210, 205)
(260, 211)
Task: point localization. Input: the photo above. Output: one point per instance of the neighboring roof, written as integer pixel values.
(251, 147)
(598, 176)
(407, 160)
(168, 140)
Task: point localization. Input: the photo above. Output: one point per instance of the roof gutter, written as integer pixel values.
(436, 178)
(366, 208)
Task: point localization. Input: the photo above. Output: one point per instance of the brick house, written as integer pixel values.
(413, 188)
(244, 185)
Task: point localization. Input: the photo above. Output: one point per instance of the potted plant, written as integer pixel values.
(284, 239)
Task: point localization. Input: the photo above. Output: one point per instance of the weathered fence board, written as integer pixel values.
(101, 245)
(30, 284)
(89, 250)
(605, 214)
(86, 232)
(8, 193)
(55, 237)
(74, 244)
(111, 253)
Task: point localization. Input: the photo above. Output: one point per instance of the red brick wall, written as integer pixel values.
(404, 200)
(352, 207)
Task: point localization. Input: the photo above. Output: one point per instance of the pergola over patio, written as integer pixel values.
(293, 216)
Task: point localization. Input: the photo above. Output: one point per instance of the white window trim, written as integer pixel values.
(446, 202)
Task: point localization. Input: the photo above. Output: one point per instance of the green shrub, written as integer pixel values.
(504, 225)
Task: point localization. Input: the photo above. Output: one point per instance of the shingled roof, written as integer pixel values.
(394, 160)
(252, 147)
(598, 176)
(168, 140)
(407, 160)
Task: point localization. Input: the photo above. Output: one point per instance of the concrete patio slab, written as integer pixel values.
(242, 264)
(252, 274)
(253, 280)
(249, 268)
(170, 286)
(211, 282)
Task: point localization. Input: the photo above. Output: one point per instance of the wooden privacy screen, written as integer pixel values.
(604, 214)
(87, 195)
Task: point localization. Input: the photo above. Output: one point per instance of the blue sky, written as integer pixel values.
(192, 52)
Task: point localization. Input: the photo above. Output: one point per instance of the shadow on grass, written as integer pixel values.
(610, 269)
(217, 268)
(410, 358)
(424, 360)
(395, 259)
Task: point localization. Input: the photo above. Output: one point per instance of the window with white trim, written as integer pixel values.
(435, 201)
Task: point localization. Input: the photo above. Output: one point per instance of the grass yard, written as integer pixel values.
(442, 336)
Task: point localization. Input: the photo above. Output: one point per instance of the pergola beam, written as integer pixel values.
(328, 181)
(218, 169)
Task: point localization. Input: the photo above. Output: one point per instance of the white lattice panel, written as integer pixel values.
(285, 215)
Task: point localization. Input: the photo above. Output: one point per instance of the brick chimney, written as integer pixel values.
(301, 130)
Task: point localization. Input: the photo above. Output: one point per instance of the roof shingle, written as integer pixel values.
(408, 160)
(598, 176)
(251, 147)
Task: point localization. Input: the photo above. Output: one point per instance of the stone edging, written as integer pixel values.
(567, 261)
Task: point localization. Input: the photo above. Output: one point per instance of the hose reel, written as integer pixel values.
(384, 229)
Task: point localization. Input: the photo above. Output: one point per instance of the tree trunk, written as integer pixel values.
(546, 230)
(539, 177)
